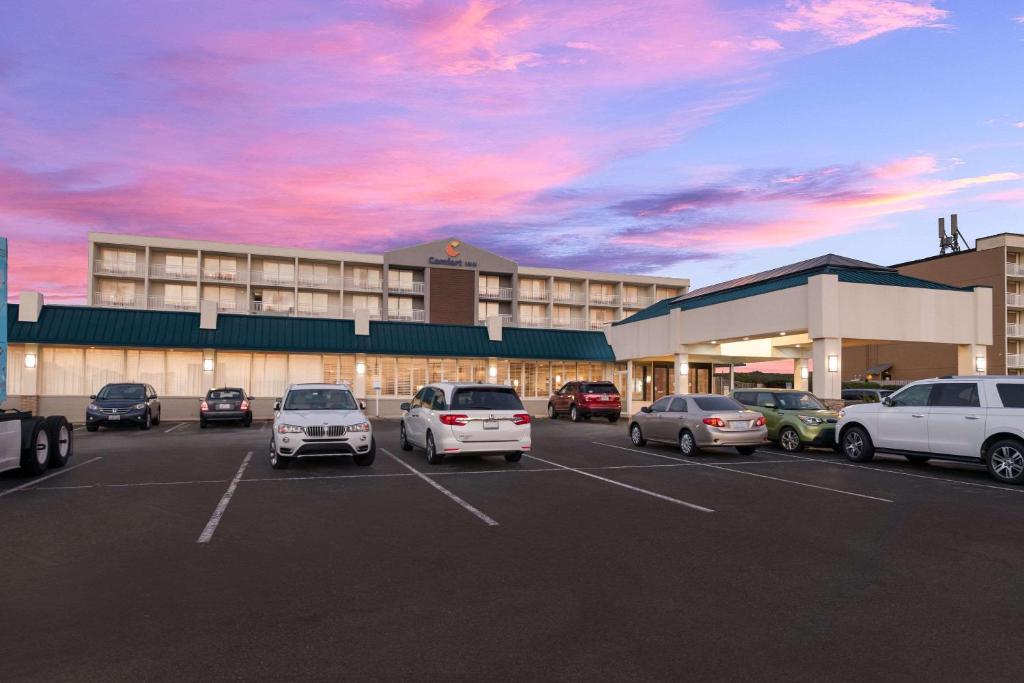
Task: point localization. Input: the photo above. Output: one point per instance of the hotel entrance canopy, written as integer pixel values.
(808, 311)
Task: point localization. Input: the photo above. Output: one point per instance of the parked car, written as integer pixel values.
(866, 395)
(320, 420)
(225, 405)
(796, 419)
(978, 419)
(583, 400)
(484, 419)
(123, 404)
(697, 421)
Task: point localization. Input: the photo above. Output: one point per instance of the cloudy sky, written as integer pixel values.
(685, 137)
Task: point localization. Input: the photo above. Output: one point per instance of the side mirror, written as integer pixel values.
(362, 405)
(277, 406)
(645, 409)
(93, 397)
(404, 407)
(155, 396)
(887, 402)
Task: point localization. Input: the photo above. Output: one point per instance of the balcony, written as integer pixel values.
(221, 275)
(416, 315)
(320, 282)
(604, 299)
(162, 271)
(637, 301)
(101, 267)
(600, 324)
(1016, 300)
(406, 288)
(500, 293)
(229, 306)
(318, 311)
(1015, 269)
(577, 298)
(571, 324)
(1015, 360)
(535, 322)
(363, 285)
(260, 277)
(529, 295)
(115, 300)
(506, 320)
(268, 308)
(350, 312)
(161, 303)
(1014, 330)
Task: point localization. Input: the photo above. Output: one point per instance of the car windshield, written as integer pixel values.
(320, 399)
(599, 389)
(798, 401)
(225, 395)
(717, 403)
(122, 392)
(486, 398)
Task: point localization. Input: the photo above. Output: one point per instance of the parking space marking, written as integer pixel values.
(218, 512)
(49, 476)
(487, 520)
(637, 489)
(175, 427)
(907, 474)
(751, 474)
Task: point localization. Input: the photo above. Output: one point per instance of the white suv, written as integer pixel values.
(445, 419)
(320, 420)
(968, 419)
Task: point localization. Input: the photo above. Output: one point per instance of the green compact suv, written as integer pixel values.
(795, 418)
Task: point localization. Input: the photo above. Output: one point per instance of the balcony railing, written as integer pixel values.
(229, 306)
(221, 275)
(503, 293)
(416, 315)
(362, 285)
(604, 299)
(101, 267)
(1014, 299)
(572, 324)
(162, 303)
(115, 300)
(1015, 269)
(569, 298)
(637, 301)
(319, 281)
(318, 311)
(272, 279)
(350, 312)
(1015, 360)
(535, 322)
(1014, 330)
(506, 320)
(600, 324)
(268, 308)
(163, 271)
(531, 295)
(405, 287)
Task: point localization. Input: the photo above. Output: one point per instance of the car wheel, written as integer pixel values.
(613, 418)
(276, 461)
(247, 422)
(367, 458)
(790, 440)
(156, 420)
(637, 436)
(917, 459)
(515, 456)
(92, 428)
(574, 414)
(36, 457)
(746, 450)
(857, 446)
(551, 412)
(148, 422)
(61, 440)
(433, 457)
(403, 438)
(202, 424)
(687, 444)
(1005, 461)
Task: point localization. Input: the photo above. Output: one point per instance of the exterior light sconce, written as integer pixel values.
(684, 369)
(804, 372)
(208, 365)
(492, 372)
(833, 363)
(30, 360)
(979, 364)
(360, 368)
(558, 379)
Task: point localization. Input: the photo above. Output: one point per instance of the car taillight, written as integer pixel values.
(245, 405)
(454, 420)
(521, 419)
(203, 406)
(760, 422)
(714, 421)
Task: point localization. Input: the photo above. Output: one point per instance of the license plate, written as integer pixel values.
(734, 424)
(490, 424)
(605, 398)
(223, 406)
(113, 417)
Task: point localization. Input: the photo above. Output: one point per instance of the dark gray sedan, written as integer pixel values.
(696, 421)
(225, 405)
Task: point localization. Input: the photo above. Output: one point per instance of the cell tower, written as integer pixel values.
(951, 242)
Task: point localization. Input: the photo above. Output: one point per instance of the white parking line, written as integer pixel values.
(637, 489)
(751, 474)
(49, 476)
(487, 520)
(908, 474)
(177, 426)
(218, 512)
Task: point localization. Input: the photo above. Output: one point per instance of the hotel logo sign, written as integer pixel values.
(452, 254)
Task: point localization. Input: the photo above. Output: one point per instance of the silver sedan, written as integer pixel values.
(696, 421)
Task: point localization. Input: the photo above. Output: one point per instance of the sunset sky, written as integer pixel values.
(692, 138)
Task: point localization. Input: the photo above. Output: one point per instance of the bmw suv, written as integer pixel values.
(320, 420)
(974, 419)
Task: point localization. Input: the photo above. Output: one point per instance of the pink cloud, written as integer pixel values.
(765, 45)
(845, 22)
(908, 167)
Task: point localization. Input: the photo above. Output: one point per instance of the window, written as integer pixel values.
(184, 373)
(488, 308)
(400, 307)
(798, 401)
(766, 400)
(913, 396)
(1011, 395)
(314, 273)
(532, 289)
(226, 297)
(561, 316)
(955, 395)
(279, 272)
(122, 392)
(305, 369)
(486, 398)
(269, 374)
(630, 294)
(363, 302)
(180, 295)
(601, 388)
(232, 369)
(438, 402)
(120, 261)
(320, 399)
(63, 372)
(314, 303)
(339, 369)
(490, 285)
(661, 405)
(366, 278)
(103, 366)
(145, 366)
(276, 301)
(535, 314)
(424, 398)
(180, 265)
(602, 293)
(562, 290)
(678, 406)
(717, 403)
(220, 267)
(400, 280)
(225, 395)
(746, 397)
(117, 293)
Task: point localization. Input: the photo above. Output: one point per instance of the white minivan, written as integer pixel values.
(447, 418)
(977, 419)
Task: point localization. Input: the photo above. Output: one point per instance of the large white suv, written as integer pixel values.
(968, 419)
(445, 419)
(320, 420)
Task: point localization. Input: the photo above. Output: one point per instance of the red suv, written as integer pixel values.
(583, 400)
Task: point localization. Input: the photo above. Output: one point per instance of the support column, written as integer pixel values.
(827, 355)
(732, 377)
(801, 374)
(971, 359)
(629, 387)
(681, 372)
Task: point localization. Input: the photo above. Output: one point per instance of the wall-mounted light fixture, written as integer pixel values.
(30, 360)
(648, 379)
(684, 368)
(979, 364)
(360, 368)
(208, 365)
(833, 363)
(492, 371)
(804, 372)
(558, 379)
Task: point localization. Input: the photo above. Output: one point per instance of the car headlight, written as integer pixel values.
(810, 419)
(842, 414)
(289, 429)
(361, 427)
(93, 406)
(139, 406)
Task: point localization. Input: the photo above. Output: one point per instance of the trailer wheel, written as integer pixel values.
(36, 455)
(61, 440)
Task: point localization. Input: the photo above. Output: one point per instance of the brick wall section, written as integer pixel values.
(452, 296)
(919, 361)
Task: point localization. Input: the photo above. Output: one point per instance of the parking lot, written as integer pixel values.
(179, 553)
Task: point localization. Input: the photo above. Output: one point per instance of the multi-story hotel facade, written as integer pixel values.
(447, 281)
